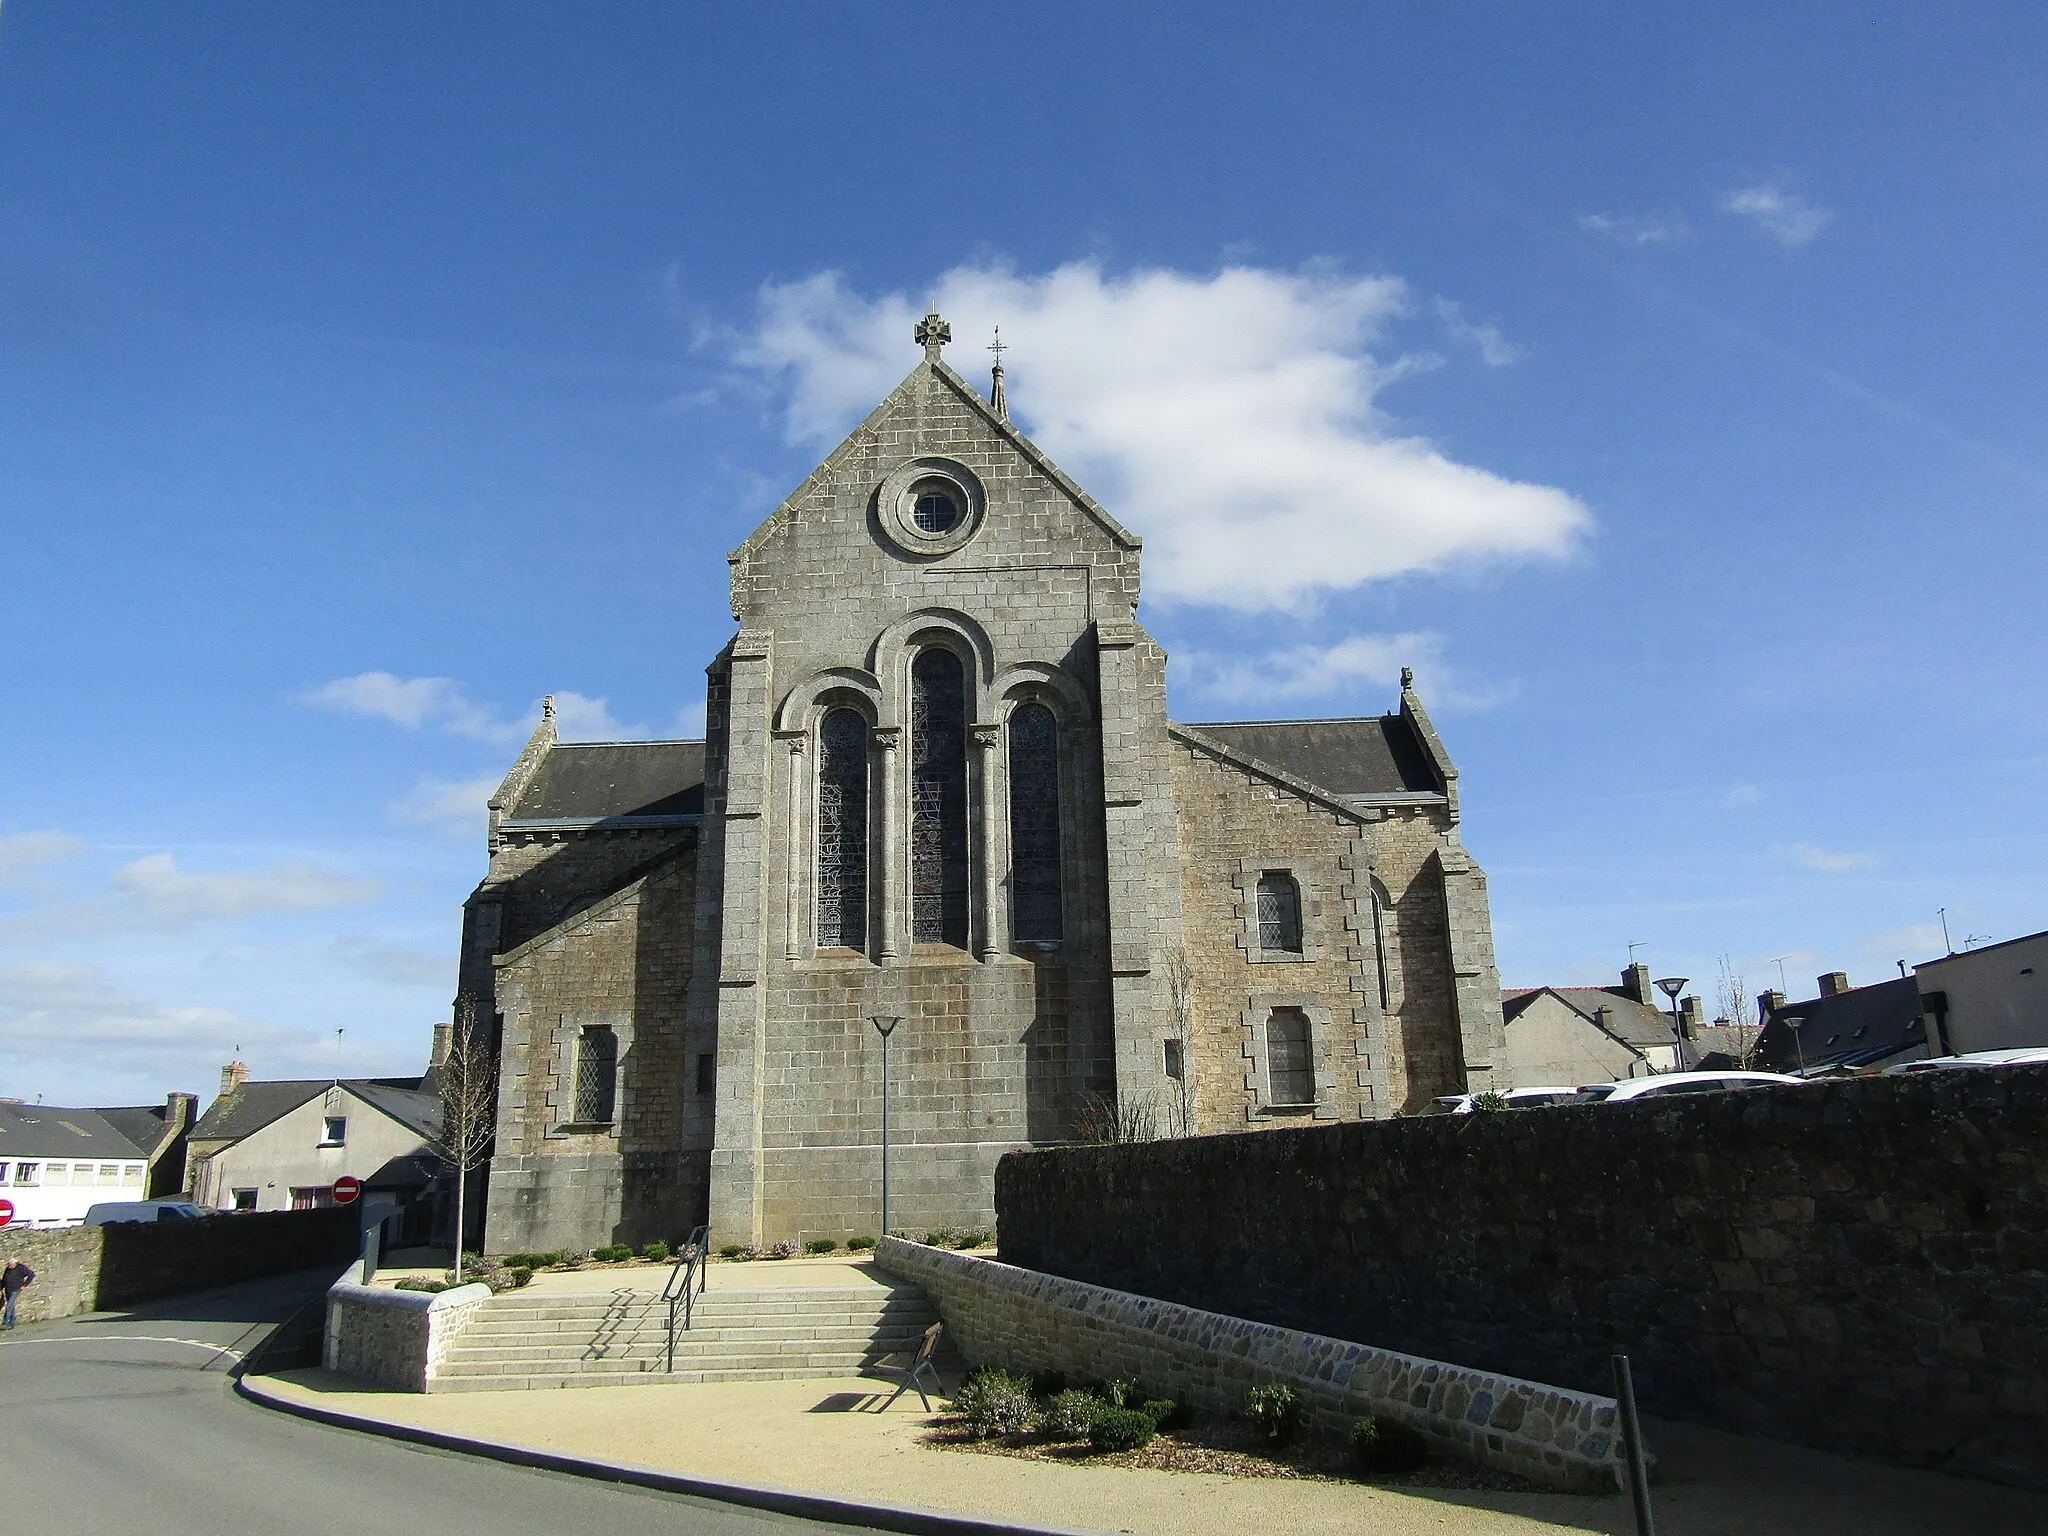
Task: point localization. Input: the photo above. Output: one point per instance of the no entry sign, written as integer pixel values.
(346, 1188)
(6, 1212)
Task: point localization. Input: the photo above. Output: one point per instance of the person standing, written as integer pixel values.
(14, 1279)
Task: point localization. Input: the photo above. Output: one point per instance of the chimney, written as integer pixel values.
(1768, 1003)
(1834, 984)
(180, 1110)
(1635, 984)
(1692, 1017)
(439, 1058)
(233, 1075)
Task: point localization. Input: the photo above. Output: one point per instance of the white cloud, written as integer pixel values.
(689, 723)
(416, 703)
(457, 806)
(1827, 862)
(1231, 419)
(1916, 943)
(579, 717)
(172, 897)
(1741, 797)
(1787, 217)
(1495, 350)
(23, 855)
(1637, 228)
(1303, 671)
(396, 964)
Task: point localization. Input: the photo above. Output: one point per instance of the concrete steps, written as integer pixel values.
(620, 1338)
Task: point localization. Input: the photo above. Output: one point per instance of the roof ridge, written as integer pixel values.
(634, 741)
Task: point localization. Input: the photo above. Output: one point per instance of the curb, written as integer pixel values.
(904, 1518)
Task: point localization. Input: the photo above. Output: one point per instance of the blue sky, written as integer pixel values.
(1663, 383)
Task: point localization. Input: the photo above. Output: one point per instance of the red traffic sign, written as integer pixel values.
(346, 1188)
(6, 1212)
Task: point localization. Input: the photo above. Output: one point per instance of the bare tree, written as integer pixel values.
(1737, 1007)
(469, 1107)
(1180, 1104)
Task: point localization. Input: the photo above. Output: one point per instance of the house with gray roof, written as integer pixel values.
(280, 1146)
(161, 1131)
(1566, 1036)
(57, 1163)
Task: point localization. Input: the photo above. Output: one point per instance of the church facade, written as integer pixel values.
(939, 790)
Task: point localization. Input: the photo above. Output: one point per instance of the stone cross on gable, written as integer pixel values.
(932, 333)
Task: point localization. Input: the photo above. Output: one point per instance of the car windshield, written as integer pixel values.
(1593, 1093)
(1443, 1106)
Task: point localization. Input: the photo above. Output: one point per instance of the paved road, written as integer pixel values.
(125, 1423)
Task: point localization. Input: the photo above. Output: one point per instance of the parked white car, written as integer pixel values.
(109, 1211)
(1517, 1098)
(2013, 1056)
(1678, 1082)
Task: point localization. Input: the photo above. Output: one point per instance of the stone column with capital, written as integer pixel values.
(889, 886)
(987, 738)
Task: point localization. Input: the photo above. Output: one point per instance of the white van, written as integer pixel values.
(108, 1211)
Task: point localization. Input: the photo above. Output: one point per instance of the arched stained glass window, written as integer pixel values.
(1034, 824)
(1279, 913)
(938, 799)
(843, 831)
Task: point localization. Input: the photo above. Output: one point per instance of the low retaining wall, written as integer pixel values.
(390, 1337)
(88, 1269)
(1020, 1319)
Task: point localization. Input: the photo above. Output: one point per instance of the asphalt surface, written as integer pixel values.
(121, 1423)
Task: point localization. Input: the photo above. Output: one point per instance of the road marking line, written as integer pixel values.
(123, 1338)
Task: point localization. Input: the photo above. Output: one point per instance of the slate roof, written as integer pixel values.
(252, 1106)
(1375, 755)
(47, 1131)
(1629, 1021)
(145, 1126)
(1856, 1028)
(614, 780)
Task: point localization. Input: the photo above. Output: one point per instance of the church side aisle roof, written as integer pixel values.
(613, 781)
(1376, 756)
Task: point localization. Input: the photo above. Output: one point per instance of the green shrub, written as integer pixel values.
(612, 1253)
(939, 1239)
(1486, 1103)
(657, 1251)
(821, 1245)
(421, 1283)
(1387, 1445)
(971, 1239)
(1275, 1409)
(994, 1403)
(733, 1251)
(1048, 1383)
(786, 1249)
(860, 1244)
(1071, 1415)
(1164, 1412)
(1119, 1429)
(518, 1274)
(1122, 1394)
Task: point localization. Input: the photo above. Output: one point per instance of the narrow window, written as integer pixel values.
(938, 799)
(1034, 824)
(843, 831)
(1290, 1076)
(245, 1199)
(1173, 1060)
(1279, 913)
(707, 1072)
(334, 1131)
(25, 1173)
(597, 1059)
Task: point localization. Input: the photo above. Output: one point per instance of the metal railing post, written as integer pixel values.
(1632, 1436)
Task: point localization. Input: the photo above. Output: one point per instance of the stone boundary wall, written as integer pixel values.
(390, 1337)
(86, 1269)
(1022, 1320)
(1858, 1265)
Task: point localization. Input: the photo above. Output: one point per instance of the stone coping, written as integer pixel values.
(349, 1289)
(999, 1314)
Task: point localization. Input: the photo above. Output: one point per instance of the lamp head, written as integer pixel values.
(1671, 986)
(884, 1023)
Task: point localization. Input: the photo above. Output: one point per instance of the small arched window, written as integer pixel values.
(597, 1074)
(843, 831)
(1034, 824)
(1279, 913)
(938, 798)
(1290, 1069)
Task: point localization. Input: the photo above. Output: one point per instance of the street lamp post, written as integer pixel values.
(885, 1025)
(1671, 986)
(1793, 1022)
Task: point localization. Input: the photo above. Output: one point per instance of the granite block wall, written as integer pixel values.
(1860, 1265)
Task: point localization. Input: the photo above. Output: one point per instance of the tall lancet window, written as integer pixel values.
(1034, 824)
(843, 831)
(938, 799)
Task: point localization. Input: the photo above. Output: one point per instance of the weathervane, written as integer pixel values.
(998, 396)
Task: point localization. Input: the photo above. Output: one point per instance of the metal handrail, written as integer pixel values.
(686, 1277)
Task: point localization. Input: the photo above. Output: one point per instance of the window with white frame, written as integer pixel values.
(334, 1130)
(27, 1173)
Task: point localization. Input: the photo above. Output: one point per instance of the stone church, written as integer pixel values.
(939, 786)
